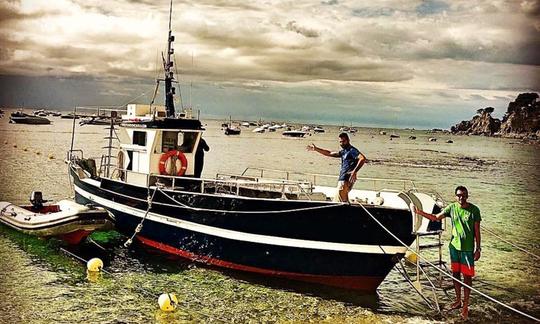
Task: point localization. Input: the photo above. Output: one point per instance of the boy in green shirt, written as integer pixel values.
(465, 233)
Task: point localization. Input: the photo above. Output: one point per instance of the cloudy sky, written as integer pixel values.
(375, 63)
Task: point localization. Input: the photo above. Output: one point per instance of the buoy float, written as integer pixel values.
(94, 264)
(411, 257)
(51, 157)
(167, 302)
(25, 149)
(38, 152)
(15, 145)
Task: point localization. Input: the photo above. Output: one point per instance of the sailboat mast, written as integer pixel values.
(169, 75)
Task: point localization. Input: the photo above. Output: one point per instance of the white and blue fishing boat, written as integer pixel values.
(278, 227)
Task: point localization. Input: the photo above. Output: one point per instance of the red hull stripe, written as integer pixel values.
(364, 283)
(74, 238)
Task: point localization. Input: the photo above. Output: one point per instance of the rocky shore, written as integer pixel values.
(521, 120)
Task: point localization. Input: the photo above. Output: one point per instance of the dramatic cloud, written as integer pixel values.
(384, 52)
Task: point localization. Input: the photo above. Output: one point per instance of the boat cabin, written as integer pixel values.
(153, 144)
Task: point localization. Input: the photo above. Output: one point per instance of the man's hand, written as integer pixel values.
(477, 255)
(311, 147)
(352, 177)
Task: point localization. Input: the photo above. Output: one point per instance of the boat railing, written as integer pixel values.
(318, 179)
(74, 155)
(223, 183)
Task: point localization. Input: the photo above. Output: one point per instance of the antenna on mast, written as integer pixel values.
(169, 74)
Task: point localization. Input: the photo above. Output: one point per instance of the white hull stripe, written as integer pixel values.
(242, 236)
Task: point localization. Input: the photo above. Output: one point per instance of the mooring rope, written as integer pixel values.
(248, 211)
(140, 225)
(448, 274)
(146, 292)
(490, 231)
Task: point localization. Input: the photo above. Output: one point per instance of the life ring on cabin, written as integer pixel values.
(163, 162)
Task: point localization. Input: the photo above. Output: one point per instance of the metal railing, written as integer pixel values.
(314, 177)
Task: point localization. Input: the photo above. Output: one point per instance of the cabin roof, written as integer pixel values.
(166, 123)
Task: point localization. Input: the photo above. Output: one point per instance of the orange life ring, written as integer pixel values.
(166, 156)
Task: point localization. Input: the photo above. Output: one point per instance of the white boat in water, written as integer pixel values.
(294, 133)
(65, 220)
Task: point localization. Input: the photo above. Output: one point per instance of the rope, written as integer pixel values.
(510, 243)
(140, 225)
(248, 211)
(449, 275)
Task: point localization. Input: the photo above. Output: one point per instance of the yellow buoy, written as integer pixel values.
(94, 264)
(411, 257)
(51, 157)
(93, 276)
(167, 302)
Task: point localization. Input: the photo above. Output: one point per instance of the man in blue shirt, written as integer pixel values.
(351, 161)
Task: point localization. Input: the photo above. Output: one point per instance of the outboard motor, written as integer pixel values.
(36, 198)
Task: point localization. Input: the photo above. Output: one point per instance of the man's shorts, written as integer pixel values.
(462, 261)
(341, 187)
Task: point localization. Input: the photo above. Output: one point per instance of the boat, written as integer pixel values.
(97, 120)
(318, 129)
(70, 116)
(432, 139)
(274, 226)
(230, 129)
(394, 135)
(65, 220)
(19, 117)
(294, 133)
(258, 130)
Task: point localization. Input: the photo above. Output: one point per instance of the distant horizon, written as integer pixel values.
(218, 118)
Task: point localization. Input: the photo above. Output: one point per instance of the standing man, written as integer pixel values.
(351, 161)
(199, 157)
(465, 233)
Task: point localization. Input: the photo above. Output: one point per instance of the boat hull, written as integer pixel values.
(70, 227)
(336, 246)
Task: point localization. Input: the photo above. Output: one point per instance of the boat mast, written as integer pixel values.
(169, 75)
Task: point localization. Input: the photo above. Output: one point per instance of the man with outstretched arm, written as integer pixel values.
(465, 235)
(351, 161)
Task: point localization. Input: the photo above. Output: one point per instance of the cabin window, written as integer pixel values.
(187, 141)
(139, 138)
(169, 141)
(130, 157)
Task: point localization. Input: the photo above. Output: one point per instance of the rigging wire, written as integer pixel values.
(490, 231)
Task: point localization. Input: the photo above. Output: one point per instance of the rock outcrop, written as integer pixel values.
(522, 117)
(481, 124)
(522, 120)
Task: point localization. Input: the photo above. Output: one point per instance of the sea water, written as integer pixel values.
(40, 282)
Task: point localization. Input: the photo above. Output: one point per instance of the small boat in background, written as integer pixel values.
(318, 129)
(230, 129)
(294, 133)
(19, 117)
(70, 116)
(65, 220)
(394, 135)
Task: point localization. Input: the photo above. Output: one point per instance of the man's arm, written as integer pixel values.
(322, 151)
(478, 240)
(361, 161)
(435, 218)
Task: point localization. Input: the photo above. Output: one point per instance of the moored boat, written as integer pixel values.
(273, 226)
(294, 133)
(22, 118)
(66, 219)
